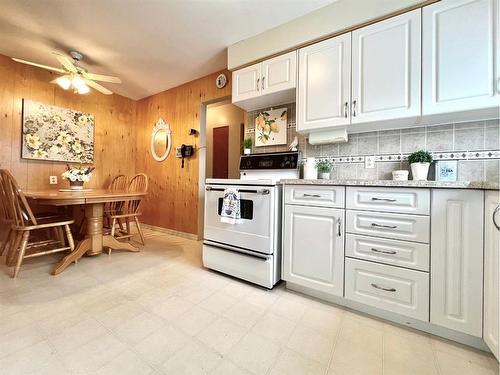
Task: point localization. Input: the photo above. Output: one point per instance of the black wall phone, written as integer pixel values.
(183, 152)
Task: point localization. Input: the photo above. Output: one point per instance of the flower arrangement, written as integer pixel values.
(77, 174)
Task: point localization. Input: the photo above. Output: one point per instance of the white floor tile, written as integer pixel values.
(193, 359)
(221, 335)
(254, 353)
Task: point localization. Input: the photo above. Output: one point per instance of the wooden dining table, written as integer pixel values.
(94, 201)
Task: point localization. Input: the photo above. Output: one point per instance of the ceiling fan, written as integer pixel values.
(75, 76)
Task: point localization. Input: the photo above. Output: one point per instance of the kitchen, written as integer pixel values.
(326, 205)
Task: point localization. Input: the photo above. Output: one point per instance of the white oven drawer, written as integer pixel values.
(394, 252)
(390, 288)
(388, 225)
(399, 200)
(310, 195)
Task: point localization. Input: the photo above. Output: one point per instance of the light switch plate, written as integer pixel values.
(53, 180)
(369, 162)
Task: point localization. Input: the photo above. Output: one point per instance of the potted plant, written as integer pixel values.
(419, 163)
(247, 146)
(324, 167)
(77, 176)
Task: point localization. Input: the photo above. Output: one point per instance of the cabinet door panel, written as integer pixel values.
(457, 260)
(324, 93)
(279, 73)
(313, 253)
(246, 83)
(458, 56)
(386, 69)
(491, 331)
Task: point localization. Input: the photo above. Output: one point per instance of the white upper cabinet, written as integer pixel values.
(279, 73)
(491, 331)
(268, 83)
(324, 86)
(457, 260)
(458, 56)
(246, 82)
(386, 66)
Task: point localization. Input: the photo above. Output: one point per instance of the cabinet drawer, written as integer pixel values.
(398, 253)
(381, 224)
(310, 195)
(390, 288)
(406, 201)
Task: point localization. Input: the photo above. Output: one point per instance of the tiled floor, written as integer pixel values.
(160, 312)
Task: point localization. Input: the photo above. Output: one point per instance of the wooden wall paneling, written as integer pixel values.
(6, 112)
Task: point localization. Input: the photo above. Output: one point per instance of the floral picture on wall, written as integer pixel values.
(270, 127)
(57, 134)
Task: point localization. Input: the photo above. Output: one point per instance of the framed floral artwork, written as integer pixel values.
(57, 134)
(270, 127)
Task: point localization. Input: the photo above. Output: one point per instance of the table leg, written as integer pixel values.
(94, 241)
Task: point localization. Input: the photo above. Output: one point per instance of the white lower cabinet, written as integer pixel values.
(457, 260)
(313, 245)
(491, 331)
(394, 289)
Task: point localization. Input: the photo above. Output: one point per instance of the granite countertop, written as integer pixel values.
(482, 185)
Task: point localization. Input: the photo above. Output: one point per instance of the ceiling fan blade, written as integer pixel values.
(58, 70)
(102, 78)
(66, 62)
(98, 87)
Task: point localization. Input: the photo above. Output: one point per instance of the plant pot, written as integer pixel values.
(76, 185)
(324, 175)
(247, 151)
(419, 171)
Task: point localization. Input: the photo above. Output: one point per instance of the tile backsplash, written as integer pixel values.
(475, 144)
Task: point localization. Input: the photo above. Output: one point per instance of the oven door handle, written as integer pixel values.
(263, 191)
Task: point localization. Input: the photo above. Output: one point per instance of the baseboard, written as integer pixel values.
(172, 232)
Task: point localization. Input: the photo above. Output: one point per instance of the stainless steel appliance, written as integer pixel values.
(250, 250)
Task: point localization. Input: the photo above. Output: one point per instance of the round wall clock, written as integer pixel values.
(221, 81)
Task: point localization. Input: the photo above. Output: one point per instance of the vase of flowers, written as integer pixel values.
(419, 163)
(77, 176)
(324, 168)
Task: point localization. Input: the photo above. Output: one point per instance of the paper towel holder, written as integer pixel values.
(328, 136)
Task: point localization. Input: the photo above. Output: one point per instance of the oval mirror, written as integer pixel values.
(161, 140)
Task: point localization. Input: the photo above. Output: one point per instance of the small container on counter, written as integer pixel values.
(310, 170)
(400, 175)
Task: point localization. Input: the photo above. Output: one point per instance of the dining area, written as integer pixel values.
(74, 222)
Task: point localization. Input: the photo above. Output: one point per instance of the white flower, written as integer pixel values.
(64, 138)
(85, 178)
(55, 149)
(72, 178)
(77, 147)
(82, 120)
(33, 141)
(40, 154)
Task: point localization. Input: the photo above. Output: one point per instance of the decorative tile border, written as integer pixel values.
(449, 155)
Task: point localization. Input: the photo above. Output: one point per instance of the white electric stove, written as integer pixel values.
(250, 250)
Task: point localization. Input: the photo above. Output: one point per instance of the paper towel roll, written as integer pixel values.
(328, 136)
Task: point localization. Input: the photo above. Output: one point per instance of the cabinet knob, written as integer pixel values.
(493, 216)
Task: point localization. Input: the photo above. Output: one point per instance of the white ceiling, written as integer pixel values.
(152, 45)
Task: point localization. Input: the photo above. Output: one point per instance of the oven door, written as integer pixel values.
(258, 213)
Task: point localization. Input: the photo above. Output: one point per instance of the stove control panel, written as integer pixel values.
(275, 160)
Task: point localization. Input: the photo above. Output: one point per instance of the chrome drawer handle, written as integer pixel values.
(384, 199)
(312, 195)
(382, 288)
(493, 217)
(339, 227)
(384, 226)
(383, 252)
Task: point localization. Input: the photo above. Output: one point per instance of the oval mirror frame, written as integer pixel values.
(160, 126)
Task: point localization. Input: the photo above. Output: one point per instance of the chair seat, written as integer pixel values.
(45, 222)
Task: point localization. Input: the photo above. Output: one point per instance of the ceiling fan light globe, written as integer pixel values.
(84, 89)
(78, 82)
(64, 82)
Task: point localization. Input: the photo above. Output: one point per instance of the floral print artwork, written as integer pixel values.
(270, 127)
(57, 134)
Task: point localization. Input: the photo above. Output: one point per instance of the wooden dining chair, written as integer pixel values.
(25, 222)
(129, 210)
(119, 183)
(6, 220)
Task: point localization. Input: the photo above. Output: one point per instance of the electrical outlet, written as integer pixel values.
(369, 162)
(53, 180)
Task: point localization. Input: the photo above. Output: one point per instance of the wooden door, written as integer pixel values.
(324, 85)
(247, 83)
(458, 63)
(386, 69)
(491, 331)
(220, 144)
(279, 73)
(313, 254)
(457, 260)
